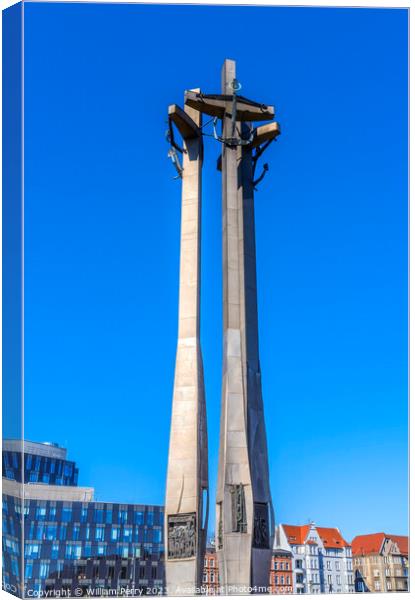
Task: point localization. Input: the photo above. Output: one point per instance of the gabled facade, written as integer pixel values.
(322, 559)
(281, 572)
(381, 562)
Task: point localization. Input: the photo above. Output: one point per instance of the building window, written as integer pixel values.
(108, 517)
(122, 516)
(15, 566)
(377, 586)
(44, 569)
(277, 580)
(51, 531)
(157, 537)
(288, 580)
(55, 551)
(205, 577)
(40, 531)
(28, 568)
(282, 580)
(41, 512)
(139, 517)
(67, 470)
(32, 550)
(66, 513)
(337, 565)
(99, 515)
(329, 565)
(299, 564)
(389, 585)
(123, 550)
(212, 577)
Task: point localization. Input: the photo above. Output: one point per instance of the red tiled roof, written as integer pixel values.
(331, 537)
(372, 543)
(296, 534)
(402, 541)
(367, 544)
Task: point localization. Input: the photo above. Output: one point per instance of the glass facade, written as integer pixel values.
(72, 547)
(39, 469)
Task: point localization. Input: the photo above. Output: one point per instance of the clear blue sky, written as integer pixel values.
(102, 246)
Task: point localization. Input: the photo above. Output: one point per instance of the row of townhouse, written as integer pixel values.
(305, 559)
(321, 558)
(312, 560)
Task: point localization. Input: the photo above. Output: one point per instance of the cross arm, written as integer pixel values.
(185, 124)
(214, 105)
(264, 133)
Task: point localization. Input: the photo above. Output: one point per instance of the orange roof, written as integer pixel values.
(331, 537)
(296, 534)
(372, 543)
(402, 541)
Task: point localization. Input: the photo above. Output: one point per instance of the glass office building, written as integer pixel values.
(74, 546)
(44, 463)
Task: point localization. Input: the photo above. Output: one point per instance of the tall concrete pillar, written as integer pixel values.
(245, 518)
(186, 505)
